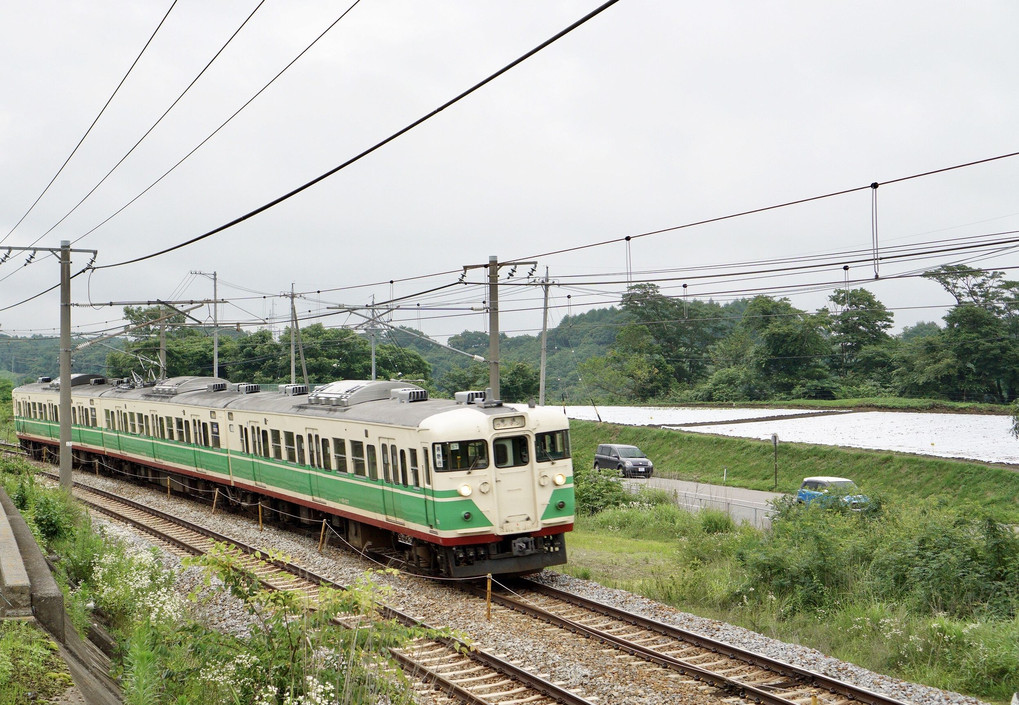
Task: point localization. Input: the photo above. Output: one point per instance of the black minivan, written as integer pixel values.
(629, 460)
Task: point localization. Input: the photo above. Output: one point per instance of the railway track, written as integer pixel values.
(737, 671)
(457, 671)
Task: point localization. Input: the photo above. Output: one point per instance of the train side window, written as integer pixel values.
(106, 415)
(187, 432)
(426, 466)
(265, 443)
(327, 462)
(162, 427)
(277, 446)
(291, 448)
(148, 428)
(244, 440)
(415, 469)
(215, 434)
(180, 429)
(340, 454)
(403, 468)
(74, 416)
(387, 474)
(300, 448)
(373, 467)
(357, 458)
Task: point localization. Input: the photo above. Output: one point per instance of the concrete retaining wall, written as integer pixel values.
(46, 600)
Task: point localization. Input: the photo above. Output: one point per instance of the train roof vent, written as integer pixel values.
(216, 387)
(293, 390)
(472, 397)
(406, 395)
(349, 392)
(96, 381)
(44, 380)
(166, 390)
(246, 388)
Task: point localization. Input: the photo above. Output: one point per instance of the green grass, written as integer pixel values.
(992, 490)
(30, 665)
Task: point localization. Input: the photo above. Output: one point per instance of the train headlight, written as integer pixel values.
(559, 479)
(465, 490)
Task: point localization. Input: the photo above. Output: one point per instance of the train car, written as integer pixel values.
(458, 488)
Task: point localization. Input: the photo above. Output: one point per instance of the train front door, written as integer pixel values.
(514, 481)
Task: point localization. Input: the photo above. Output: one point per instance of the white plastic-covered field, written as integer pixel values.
(970, 436)
(672, 415)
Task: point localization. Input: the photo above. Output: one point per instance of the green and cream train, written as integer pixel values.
(458, 487)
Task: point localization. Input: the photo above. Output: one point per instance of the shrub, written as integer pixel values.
(597, 490)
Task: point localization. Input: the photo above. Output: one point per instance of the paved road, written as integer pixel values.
(743, 505)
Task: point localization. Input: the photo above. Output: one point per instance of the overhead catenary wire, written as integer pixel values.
(213, 134)
(275, 202)
(154, 125)
(96, 120)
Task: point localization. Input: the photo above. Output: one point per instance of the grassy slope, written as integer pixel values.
(993, 489)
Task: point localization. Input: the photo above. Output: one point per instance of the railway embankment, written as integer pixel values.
(29, 591)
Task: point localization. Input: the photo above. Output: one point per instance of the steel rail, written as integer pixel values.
(509, 670)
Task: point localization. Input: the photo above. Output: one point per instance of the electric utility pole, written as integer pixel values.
(63, 254)
(493, 319)
(215, 322)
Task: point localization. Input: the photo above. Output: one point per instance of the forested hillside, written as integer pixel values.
(650, 348)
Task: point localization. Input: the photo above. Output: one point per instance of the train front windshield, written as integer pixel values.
(552, 446)
(460, 455)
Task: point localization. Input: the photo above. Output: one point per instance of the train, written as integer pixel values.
(459, 488)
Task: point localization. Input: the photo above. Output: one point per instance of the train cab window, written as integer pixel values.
(511, 452)
(554, 445)
(300, 448)
(340, 454)
(460, 455)
(215, 434)
(290, 445)
(357, 458)
(277, 445)
(326, 455)
(373, 467)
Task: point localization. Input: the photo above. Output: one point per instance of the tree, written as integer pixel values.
(634, 369)
(683, 330)
(789, 348)
(862, 321)
(519, 382)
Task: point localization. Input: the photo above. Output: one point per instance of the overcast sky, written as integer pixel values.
(650, 116)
